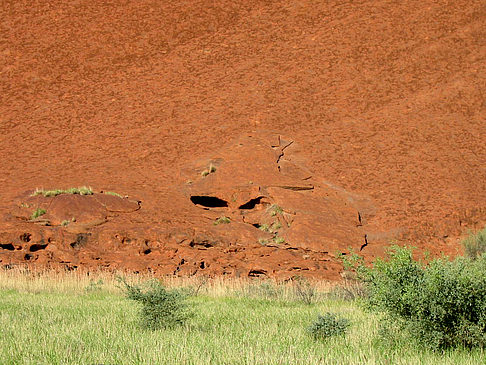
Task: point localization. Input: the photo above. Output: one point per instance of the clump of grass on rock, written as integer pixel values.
(222, 220)
(83, 190)
(37, 213)
(112, 193)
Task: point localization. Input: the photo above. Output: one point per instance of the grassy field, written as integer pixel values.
(75, 319)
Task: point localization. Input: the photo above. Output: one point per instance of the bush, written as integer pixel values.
(475, 244)
(328, 325)
(161, 308)
(442, 304)
(37, 213)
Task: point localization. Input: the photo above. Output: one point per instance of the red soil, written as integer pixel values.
(385, 101)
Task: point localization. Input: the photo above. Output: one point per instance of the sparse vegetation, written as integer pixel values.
(113, 194)
(209, 170)
(275, 226)
(328, 325)
(65, 223)
(161, 308)
(83, 190)
(37, 213)
(222, 220)
(475, 244)
(264, 227)
(271, 228)
(263, 241)
(278, 240)
(275, 209)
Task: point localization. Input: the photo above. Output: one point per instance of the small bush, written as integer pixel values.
(161, 308)
(442, 304)
(328, 325)
(37, 213)
(475, 244)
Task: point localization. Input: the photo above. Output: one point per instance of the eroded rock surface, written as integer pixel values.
(250, 209)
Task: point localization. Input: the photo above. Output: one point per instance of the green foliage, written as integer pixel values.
(442, 304)
(83, 190)
(475, 244)
(161, 308)
(353, 264)
(37, 213)
(328, 325)
(113, 194)
(275, 209)
(264, 227)
(98, 328)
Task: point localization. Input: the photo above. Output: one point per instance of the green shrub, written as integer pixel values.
(475, 244)
(37, 213)
(442, 304)
(328, 325)
(161, 308)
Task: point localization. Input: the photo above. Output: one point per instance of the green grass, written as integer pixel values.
(47, 321)
(113, 194)
(475, 244)
(83, 190)
(37, 213)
